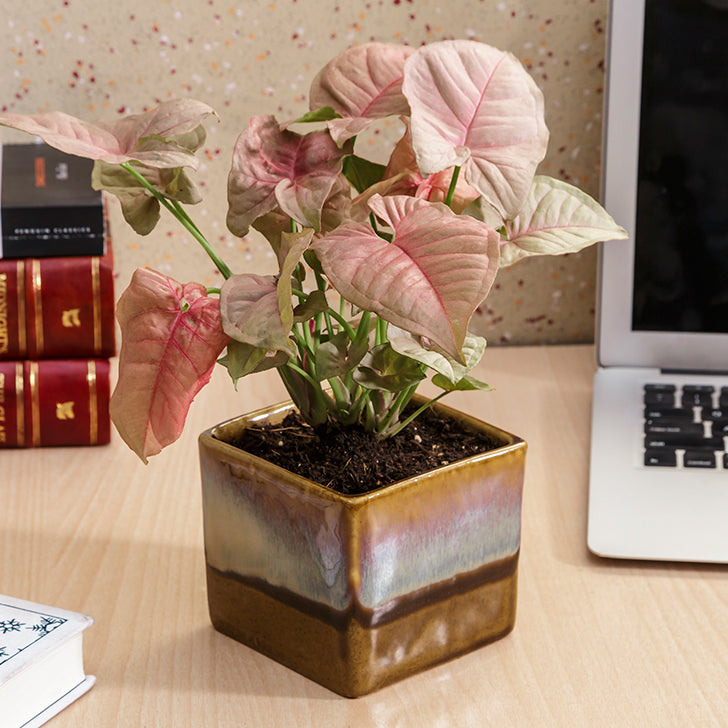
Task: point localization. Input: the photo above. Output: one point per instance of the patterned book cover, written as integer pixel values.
(41, 661)
(54, 402)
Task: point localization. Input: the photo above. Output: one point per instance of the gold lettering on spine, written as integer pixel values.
(96, 289)
(34, 403)
(93, 406)
(22, 331)
(19, 404)
(4, 333)
(38, 304)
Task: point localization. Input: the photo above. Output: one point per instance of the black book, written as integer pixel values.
(48, 205)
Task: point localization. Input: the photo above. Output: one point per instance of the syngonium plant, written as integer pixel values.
(380, 267)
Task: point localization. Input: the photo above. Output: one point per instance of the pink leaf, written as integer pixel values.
(275, 167)
(119, 141)
(362, 84)
(171, 338)
(476, 107)
(251, 313)
(429, 280)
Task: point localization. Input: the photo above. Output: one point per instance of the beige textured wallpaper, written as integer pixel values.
(99, 60)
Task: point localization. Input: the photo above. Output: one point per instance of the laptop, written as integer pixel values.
(658, 484)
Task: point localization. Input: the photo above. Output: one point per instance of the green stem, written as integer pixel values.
(451, 188)
(343, 323)
(178, 211)
(395, 408)
(416, 414)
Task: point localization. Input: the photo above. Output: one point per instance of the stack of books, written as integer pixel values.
(57, 330)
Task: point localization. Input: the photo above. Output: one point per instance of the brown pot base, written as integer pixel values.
(356, 653)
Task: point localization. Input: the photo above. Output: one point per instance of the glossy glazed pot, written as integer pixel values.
(356, 592)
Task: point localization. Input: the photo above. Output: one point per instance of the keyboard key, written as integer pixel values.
(670, 414)
(723, 398)
(663, 457)
(677, 428)
(682, 443)
(699, 458)
(663, 394)
(697, 395)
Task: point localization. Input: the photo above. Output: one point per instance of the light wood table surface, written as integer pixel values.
(596, 643)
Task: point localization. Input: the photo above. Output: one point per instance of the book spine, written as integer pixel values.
(54, 402)
(57, 308)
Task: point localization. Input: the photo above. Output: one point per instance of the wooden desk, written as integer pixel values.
(596, 643)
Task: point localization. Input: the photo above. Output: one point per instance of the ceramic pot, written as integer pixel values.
(356, 592)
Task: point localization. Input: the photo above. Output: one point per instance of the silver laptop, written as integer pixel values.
(659, 469)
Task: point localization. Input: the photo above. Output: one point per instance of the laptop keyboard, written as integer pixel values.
(685, 426)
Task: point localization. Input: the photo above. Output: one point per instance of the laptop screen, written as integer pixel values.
(681, 226)
(663, 292)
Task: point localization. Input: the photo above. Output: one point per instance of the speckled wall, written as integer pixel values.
(98, 60)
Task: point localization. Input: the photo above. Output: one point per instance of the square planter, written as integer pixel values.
(356, 592)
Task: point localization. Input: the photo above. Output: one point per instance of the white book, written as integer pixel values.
(41, 661)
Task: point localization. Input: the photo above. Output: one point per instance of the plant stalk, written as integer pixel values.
(178, 211)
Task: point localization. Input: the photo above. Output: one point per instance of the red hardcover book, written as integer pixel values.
(57, 307)
(54, 402)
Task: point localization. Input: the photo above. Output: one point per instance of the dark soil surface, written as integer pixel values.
(352, 461)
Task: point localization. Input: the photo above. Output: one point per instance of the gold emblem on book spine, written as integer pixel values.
(64, 410)
(71, 318)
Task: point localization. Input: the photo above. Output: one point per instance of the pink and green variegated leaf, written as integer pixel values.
(337, 209)
(477, 107)
(557, 218)
(429, 280)
(146, 137)
(251, 314)
(362, 84)
(171, 338)
(140, 209)
(274, 167)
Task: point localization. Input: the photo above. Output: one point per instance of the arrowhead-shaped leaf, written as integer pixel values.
(140, 209)
(428, 281)
(384, 368)
(477, 107)
(274, 167)
(141, 137)
(171, 337)
(557, 218)
(243, 359)
(361, 84)
(250, 312)
(411, 346)
(339, 355)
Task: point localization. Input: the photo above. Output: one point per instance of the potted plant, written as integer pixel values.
(380, 268)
